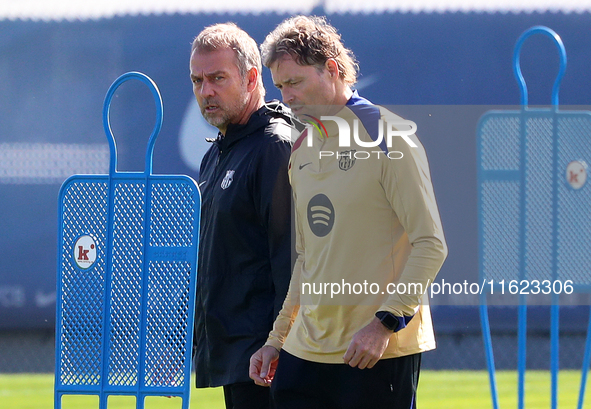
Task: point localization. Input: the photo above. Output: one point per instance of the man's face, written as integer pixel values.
(305, 88)
(218, 86)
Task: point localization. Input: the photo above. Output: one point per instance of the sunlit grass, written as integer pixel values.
(437, 390)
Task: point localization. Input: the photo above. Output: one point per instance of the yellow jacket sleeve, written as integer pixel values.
(408, 187)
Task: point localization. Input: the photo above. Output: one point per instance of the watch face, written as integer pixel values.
(389, 320)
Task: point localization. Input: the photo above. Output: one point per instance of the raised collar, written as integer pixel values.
(259, 119)
(357, 100)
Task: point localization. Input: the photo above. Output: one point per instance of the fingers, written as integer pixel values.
(262, 365)
(349, 354)
(256, 362)
(356, 358)
(266, 366)
(372, 362)
(361, 356)
(269, 358)
(368, 361)
(271, 373)
(367, 345)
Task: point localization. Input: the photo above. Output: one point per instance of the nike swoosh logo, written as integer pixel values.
(202, 183)
(304, 165)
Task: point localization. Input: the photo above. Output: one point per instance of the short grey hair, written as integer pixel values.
(229, 35)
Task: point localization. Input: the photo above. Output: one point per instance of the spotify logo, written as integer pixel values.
(320, 215)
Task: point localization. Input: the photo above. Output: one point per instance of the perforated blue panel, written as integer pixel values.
(518, 202)
(142, 309)
(533, 207)
(126, 281)
(82, 295)
(574, 206)
(500, 222)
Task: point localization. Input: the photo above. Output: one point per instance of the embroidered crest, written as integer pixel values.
(227, 181)
(347, 159)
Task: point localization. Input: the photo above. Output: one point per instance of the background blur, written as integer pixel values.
(452, 59)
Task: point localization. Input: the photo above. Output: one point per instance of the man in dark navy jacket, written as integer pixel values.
(245, 248)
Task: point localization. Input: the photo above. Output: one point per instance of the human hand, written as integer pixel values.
(263, 364)
(368, 345)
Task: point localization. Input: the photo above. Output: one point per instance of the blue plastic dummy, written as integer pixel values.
(534, 211)
(127, 253)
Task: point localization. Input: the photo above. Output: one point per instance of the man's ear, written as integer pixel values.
(332, 67)
(252, 77)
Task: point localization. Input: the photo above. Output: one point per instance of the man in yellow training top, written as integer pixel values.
(366, 224)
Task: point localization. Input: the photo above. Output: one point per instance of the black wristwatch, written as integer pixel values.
(388, 320)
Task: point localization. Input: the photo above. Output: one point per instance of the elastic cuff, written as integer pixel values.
(403, 321)
(275, 344)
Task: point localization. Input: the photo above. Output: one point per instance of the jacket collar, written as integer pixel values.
(259, 119)
(357, 100)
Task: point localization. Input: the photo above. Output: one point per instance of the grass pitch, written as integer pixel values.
(437, 390)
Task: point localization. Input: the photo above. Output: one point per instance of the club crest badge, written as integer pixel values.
(346, 159)
(227, 181)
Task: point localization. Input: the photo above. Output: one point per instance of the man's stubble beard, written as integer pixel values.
(228, 114)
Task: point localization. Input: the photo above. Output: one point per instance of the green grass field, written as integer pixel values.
(437, 390)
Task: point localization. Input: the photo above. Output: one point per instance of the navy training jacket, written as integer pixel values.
(244, 264)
